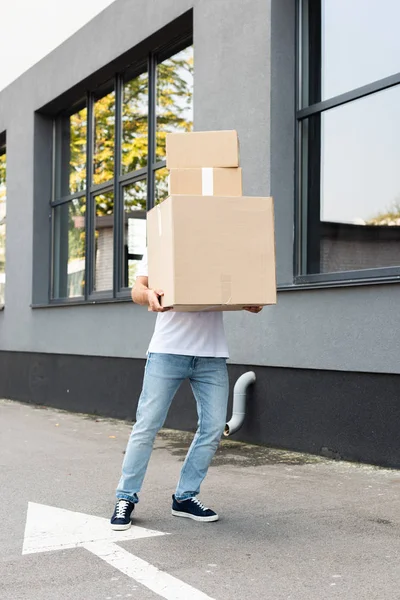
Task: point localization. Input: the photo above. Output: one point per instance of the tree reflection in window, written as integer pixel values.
(174, 97)
(134, 147)
(104, 138)
(77, 131)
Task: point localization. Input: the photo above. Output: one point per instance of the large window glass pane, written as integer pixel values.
(134, 196)
(69, 249)
(104, 241)
(3, 194)
(71, 153)
(352, 174)
(174, 97)
(104, 138)
(360, 42)
(134, 123)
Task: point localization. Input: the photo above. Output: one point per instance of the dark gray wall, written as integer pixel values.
(244, 79)
(352, 416)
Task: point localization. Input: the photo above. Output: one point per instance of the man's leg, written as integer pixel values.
(164, 374)
(210, 385)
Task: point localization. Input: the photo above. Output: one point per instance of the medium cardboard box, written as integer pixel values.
(212, 253)
(202, 149)
(206, 182)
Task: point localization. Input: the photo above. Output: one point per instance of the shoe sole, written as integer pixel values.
(178, 513)
(120, 527)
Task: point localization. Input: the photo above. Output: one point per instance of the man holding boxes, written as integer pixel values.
(197, 266)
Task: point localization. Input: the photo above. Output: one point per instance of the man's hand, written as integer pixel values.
(253, 309)
(154, 301)
(142, 294)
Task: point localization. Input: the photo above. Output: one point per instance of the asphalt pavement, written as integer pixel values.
(292, 526)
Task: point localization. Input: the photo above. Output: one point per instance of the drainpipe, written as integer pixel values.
(239, 403)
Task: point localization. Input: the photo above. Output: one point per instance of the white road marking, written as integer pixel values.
(157, 581)
(49, 528)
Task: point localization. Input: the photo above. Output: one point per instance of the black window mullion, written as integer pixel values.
(152, 124)
(133, 178)
(65, 199)
(133, 175)
(300, 74)
(313, 174)
(357, 94)
(89, 200)
(351, 277)
(314, 140)
(99, 188)
(160, 164)
(118, 198)
(308, 246)
(314, 53)
(50, 288)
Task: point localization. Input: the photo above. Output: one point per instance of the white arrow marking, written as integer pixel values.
(143, 572)
(49, 528)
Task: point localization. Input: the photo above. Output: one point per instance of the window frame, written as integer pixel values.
(3, 150)
(120, 180)
(304, 76)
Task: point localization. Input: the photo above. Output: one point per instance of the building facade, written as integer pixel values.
(82, 158)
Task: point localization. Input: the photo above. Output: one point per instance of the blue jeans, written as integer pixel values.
(164, 374)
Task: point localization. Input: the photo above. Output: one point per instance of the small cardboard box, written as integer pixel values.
(206, 182)
(202, 149)
(209, 253)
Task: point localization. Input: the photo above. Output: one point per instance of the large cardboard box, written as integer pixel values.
(202, 149)
(209, 253)
(206, 182)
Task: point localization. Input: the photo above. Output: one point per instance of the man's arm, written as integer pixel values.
(141, 294)
(253, 309)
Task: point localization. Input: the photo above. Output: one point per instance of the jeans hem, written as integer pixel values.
(186, 496)
(121, 496)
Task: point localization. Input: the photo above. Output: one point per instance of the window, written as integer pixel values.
(69, 213)
(3, 197)
(110, 170)
(348, 131)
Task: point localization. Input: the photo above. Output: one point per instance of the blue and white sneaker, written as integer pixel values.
(193, 509)
(121, 518)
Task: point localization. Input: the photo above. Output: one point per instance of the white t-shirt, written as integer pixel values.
(187, 333)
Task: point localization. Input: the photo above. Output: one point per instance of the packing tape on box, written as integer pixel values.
(207, 181)
(226, 289)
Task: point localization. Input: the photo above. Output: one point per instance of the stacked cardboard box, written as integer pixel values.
(210, 248)
(204, 164)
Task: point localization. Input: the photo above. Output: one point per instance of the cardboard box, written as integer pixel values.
(202, 149)
(206, 182)
(212, 253)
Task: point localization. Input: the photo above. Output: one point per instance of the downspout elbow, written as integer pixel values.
(239, 403)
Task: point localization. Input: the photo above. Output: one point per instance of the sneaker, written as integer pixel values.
(121, 518)
(193, 509)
